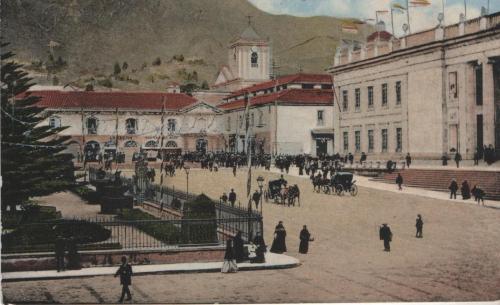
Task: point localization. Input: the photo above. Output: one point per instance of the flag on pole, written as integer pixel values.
(349, 27)
(420, 3)
(398, 7)
(247, 143)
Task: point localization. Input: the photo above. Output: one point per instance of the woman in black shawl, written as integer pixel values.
(238, 246)
(279, 244)
(229, 265)
(465, 190)
(305, 238)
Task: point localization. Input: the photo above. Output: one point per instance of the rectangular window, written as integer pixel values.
(323, 86)
(399, 139)
(479, 84)
(307, 86)
(384, 95)
(370, 97)
(370, 140)
(228, 126)
(384, 140)
(320, 117)
(398, 93)
(346, 141)
(345, 100)
(357, 92)
(357, 138)
(452, 78)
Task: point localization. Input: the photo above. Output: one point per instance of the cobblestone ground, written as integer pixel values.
(457, 260)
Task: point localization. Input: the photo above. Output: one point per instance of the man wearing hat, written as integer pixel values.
(386, 235)
(420, 226)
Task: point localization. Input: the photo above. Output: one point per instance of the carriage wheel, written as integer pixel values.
(339, 189)
(353, 190)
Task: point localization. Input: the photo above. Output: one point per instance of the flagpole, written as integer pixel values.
(408, 16)
(392, 22)
(465, 6)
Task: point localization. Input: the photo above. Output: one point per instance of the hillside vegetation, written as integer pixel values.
(145, 44)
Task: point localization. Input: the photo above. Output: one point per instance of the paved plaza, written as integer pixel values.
(457, 260)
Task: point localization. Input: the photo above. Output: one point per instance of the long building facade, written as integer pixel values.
(427, 94)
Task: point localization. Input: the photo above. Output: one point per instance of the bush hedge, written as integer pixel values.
(42, 235)
(163, 231)
(30, 214)
(86, 194)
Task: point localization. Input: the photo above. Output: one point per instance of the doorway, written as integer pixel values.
(321, 147)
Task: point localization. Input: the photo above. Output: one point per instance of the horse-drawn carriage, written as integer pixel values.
(280, 193)
(339, 183)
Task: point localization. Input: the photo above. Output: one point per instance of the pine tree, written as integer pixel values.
(32, 158)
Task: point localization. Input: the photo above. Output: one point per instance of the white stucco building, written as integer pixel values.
(428, 93)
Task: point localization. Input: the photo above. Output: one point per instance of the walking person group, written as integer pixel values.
(466, 191)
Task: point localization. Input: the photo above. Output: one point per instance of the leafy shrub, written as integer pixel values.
(105, 83)
(156, 62)
(86, 193)
(30, 214)
(176, 203)
(179, 57)
(163, 231)
(45, 234)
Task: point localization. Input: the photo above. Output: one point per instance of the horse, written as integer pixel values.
(293, 193)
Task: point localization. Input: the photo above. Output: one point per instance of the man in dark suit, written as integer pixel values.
(232, 197)
(453, 189)
(386, 235)
(125, 273)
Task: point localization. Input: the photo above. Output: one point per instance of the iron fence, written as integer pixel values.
(113, 233)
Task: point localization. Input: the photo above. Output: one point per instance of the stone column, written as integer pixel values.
(488, 104)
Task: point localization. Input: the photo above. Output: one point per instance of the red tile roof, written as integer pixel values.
(384, 36)
(294, 78)
(121, 100)
(289, 96)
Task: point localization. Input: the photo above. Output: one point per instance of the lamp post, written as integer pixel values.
(260, 183)
(186, 168)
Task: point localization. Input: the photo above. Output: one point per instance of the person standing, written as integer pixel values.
(258, 241)
(478, 194)
(229, 265)
(453, 189)
(465, 190)
(234, 169)
(458, 158)
(419, 225)
(279, 243)
(476, 157)
(238, 247)
(351, 158)
(125, 273)
(305, 238)
(399, 181)
(408, 160)
(256, 199)
(232, 197)
(59, 252)
(224, 198)
(386, 235)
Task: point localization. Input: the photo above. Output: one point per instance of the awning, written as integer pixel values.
(322, 133)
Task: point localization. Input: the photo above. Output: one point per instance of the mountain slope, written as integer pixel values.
(91, 35)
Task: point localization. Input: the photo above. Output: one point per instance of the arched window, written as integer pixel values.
(171, 125)
(92, 125)
(252, 119)
(228, 126)
(171, 144)
(254, 59)
(130, 144)
(241, 121)
(151, 143)
(55, 122)
(131, 126)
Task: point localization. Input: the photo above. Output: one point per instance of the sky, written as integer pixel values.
(421, 18)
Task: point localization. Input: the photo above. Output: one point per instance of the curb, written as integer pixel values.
(164, 269)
